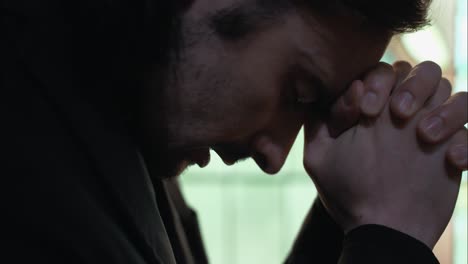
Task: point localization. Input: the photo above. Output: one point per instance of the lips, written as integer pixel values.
(231, 153)
(228, 161)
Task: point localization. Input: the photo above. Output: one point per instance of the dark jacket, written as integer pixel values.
(75, 187)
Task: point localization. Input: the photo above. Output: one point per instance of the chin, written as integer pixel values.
(175, 163)
(181, 167)
(168, 169)
(175, 169)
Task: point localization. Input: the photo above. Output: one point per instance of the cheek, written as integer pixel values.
(251, 114)
(249, 110)
(261, 104)
(256, 92)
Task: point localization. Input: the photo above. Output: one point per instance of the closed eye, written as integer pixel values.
(306, 93)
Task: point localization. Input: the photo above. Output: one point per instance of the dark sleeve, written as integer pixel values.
(379, 244)
(322, 241)
(319, 240)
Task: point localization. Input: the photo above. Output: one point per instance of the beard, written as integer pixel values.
(159, 139)
(161, 162)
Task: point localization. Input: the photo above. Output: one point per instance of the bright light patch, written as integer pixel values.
(427, 44)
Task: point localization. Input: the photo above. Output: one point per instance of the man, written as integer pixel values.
(102, 101)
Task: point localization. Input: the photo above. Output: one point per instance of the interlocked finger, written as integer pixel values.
(441, 95)
(402, 70)
(378, 85)
(415, 90)
(445, 120)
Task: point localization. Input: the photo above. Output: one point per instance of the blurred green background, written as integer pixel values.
(249, 217)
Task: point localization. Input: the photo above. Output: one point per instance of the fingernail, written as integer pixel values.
(460, 154)
(405, 101)
(433, 127)
(369, 103)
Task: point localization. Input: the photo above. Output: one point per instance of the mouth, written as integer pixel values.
(231, 154)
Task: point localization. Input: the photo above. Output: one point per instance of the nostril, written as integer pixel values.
(268, 155)
(261, 160)
(272, 168)
(267, 162)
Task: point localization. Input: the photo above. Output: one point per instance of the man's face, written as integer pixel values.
(244, 96)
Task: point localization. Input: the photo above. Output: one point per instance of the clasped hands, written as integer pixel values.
(391, 151)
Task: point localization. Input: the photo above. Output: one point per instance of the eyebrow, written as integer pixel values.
(234, 23)
(239, 20)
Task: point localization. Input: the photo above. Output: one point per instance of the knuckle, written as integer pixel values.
(462, 96)
(445, 82)
(460, 137)
(430, 66)
(411, 86)
(459, 101)
(382, 68)
(381, 82)
(445, 114)
(452, 115)
(385, 66)
(445, 85)
(402, 65)
(443, 90)
(373, 84)
(424, 82)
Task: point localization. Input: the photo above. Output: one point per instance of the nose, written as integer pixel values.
(268, 155)
(272, 149)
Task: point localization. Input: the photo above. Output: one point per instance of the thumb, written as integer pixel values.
(317, 141)
(345, 112)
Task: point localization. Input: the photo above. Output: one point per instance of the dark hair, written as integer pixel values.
(393, 16)
(145, 33)
(119, 41)
(396, 16)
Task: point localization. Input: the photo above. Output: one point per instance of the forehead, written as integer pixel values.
(338, 47)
